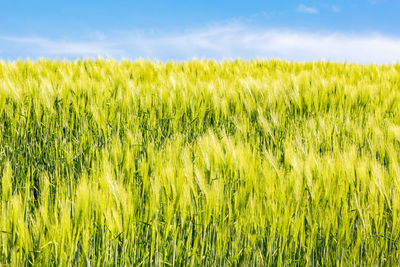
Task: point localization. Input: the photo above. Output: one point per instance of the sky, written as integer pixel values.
(361, 31)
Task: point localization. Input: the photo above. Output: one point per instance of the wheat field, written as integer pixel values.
(202, 163)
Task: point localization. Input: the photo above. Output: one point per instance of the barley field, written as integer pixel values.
(202, 163)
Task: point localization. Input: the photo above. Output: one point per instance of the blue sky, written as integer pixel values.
(365, 31)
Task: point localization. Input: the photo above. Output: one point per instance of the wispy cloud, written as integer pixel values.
(335, 9)
(307, 9)
(217, 42)
(40, 45)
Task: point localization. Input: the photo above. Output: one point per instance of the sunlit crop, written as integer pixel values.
(199, 163)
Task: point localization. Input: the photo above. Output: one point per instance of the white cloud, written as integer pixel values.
(48, 47)
(217, 42)
(335, 9)
(307, 9)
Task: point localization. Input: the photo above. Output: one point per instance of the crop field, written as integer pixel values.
(246, 163)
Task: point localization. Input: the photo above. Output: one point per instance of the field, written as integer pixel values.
(199, 163)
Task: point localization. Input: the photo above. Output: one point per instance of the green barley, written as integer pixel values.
(199, 163)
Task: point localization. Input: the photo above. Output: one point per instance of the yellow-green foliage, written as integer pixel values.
(200, 162)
